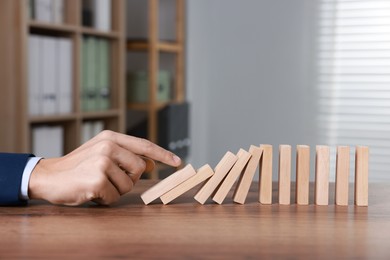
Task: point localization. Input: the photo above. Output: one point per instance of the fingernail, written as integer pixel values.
(176, 159)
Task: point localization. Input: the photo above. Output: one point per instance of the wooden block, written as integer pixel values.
(284, 174)
(322, 175)
(342, 175)
(265, 185)
(227, 184)
(168, 184)
(246, 179)
(204, 173)
(361, 176)
(302, 175)
(223, 167)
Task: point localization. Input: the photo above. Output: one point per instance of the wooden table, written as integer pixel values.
(186, 229)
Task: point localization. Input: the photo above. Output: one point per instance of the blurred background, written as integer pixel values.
(197, 77)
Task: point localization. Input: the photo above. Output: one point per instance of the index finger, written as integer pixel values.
(142, 147)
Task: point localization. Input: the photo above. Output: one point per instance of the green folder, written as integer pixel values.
(103, 74)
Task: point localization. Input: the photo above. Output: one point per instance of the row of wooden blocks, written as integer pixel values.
(243, 165)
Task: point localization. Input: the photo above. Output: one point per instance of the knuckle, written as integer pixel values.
(106, 134)
(106, 147)
(102, 163)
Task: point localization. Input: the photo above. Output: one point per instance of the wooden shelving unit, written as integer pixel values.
(15, 27)
(154, 47)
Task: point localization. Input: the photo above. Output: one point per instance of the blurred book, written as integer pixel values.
(95, 74)
(50, 77)
(91, 129)
(97, 14)
(48, 141)
(138, 86)
(173, 128)
(50, 11)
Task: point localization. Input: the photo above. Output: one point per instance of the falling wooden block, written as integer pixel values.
(361, 176)
(246, 179)
(342, 175)
(303, 174)
(227, 184)
(265, 185)
(322, 175)
(223, 167)
(284, 174)
(168, 184)
(204, 173)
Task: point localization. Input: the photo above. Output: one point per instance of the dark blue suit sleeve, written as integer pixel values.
(11, 171)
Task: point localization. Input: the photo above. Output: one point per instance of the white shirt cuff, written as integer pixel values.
(31, 163)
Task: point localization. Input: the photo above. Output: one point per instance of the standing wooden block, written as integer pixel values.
(227, 184)
(303, 175)
(284, 174)
(322, 175)
(203, 174)
(265, 185)
(342, 175)
(167, 184)
(361, 176)
(221, 170)
(246, 179)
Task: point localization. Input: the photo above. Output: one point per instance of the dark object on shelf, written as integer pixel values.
(173, 125)
(140, 130)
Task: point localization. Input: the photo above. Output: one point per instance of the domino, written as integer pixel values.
(227, 184)
(361, 176)
(203, 173)
(246, 179)
(241, 168)
(167, 184)
(302, 175)
(342, 175)
(322, 175)
(265, 185)
(223, 167)
(284, 174)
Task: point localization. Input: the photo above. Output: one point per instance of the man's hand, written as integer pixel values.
(101, 170)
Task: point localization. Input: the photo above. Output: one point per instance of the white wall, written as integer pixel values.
(249, 75)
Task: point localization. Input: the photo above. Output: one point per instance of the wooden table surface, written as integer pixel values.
(185, 229)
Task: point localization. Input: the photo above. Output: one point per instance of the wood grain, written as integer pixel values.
(168, 184)
(284, 174)
(265, 186)
(203, 174)
(246, 179)
(185, 229)
(322, 175)
(303, 175)
(342, 175)
(220, 171)
(361, 176)
(243, 158)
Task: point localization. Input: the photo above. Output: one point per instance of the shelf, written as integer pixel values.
(52, 118)
(147, 106)
(161, 46)
(93, 32)
(66, 28)
(101, 114)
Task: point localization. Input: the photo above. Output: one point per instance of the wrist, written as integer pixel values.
(36, 185)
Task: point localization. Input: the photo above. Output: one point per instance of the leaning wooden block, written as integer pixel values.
(204, 173)
(342, 175)
(322, 175)
(361, 176)
(246, 179)
(167, 184)
(227, 184)
(284, 174)
(221, 170)
(303, 175)
(265, 185)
